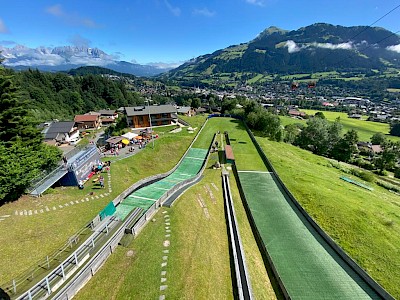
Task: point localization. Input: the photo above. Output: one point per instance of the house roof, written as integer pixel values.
(114, 139)
(153, 110)
(376, 148)
(93, 113)
(183, 109)
(57, 128)
(108, 120)
(201, 110)
(86, 118)
(106, 112)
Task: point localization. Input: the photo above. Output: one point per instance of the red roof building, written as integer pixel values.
(87, 121)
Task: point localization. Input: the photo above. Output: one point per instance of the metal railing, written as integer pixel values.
(63, 270)
(43, 178)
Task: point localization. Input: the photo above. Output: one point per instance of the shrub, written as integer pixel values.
(388, 186)
(366, 176)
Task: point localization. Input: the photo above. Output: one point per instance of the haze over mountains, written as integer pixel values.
(69, 57)
(315, 48)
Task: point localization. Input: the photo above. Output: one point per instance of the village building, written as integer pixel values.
(185, 110)
(107, 121)
(296, 113)
(59, 132)
(87, 121)
(200, 110)
(139, 116)
(108, 113)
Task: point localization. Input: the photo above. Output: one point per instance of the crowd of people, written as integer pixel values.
(97, 169)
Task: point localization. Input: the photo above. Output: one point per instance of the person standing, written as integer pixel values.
(101, 180)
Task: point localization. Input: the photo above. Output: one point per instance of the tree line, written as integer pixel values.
(61, 96)
(23, 155)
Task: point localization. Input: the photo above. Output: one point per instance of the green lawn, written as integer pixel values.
(365, 224)
(365, 129)
(246, 157)
(25, 240)
(195, 121)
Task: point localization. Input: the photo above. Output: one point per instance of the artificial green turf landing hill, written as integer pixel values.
(366, 224)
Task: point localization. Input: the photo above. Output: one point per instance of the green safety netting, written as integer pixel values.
(109, 210)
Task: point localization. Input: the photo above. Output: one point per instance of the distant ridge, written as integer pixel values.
(81, 71)
(316, 48)
(65, 58)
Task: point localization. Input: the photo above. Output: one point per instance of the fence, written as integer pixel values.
(62, 271)
(97, 260)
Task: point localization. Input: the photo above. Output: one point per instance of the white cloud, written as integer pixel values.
(43, 56)
(163, 65)
(204, 12)
(345, 46)
(292, 46)
(79, 41)
(71, 18)
(7, 43)
(256, 2)
(3, 27)
(24, 56)
(395, 48)
(55, 10)
(176, 11)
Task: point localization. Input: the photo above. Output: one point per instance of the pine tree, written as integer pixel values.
(15, 122)
(22, 154)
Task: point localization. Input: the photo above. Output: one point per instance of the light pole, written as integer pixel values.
(151, 127)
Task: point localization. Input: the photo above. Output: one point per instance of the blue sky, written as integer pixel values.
(170, 31)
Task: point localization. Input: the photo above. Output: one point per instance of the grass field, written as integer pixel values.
(195, 121)
(365, 129)
(25, 240)
(364, 223)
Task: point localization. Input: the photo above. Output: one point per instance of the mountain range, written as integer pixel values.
(319, 47)
(316, 48)
(69, 57)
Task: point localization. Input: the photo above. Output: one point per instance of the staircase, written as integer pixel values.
(41, 186)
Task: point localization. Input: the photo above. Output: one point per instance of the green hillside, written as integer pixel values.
(316, 48)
